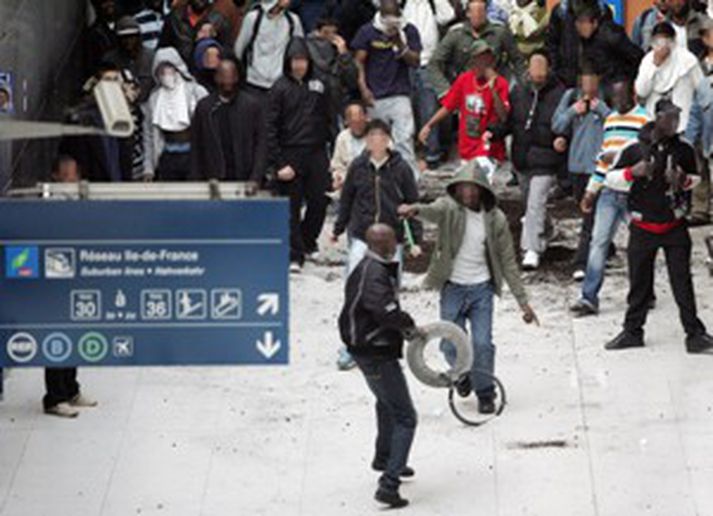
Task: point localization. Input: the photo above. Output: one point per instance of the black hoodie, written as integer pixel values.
(298, 112)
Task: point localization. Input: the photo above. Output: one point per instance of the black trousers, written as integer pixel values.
(309, 187)
(61, 385)
(174, 166)
(579, 188)
(643, 247)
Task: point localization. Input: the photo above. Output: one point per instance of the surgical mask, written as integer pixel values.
(169, 79)
(659, 43)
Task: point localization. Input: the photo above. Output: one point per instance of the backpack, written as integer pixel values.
(247, 56)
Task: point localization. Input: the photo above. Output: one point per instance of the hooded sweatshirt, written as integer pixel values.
(450, 217)
(264, 60)
(298, 112)
(677, 77)
(191, 91)
(205, 76)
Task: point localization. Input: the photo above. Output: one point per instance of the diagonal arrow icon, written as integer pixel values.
(268, 302)
(268, 346)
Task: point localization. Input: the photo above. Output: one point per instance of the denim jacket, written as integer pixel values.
(700, 122)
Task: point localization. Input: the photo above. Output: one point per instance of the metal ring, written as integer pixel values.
(471, 422)
(440, 330)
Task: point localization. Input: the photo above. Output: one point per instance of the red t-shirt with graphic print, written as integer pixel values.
(474, 100)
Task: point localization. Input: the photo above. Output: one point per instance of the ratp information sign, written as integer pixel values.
(143, 283)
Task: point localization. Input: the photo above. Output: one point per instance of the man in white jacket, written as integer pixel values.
(668, 71)
(427, 16)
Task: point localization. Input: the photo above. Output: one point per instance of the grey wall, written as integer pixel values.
(39, 42)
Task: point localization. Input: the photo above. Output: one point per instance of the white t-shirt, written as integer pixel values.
(471, 263)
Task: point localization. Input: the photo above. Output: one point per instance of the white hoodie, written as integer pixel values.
(420, 14)
(677, 78)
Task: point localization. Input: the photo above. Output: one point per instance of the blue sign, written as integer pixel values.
(144, 283)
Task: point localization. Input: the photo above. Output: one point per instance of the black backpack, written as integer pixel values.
(247, 56)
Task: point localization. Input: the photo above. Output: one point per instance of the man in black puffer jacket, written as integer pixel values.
(537, 154)
(373, 325)
(298, 119)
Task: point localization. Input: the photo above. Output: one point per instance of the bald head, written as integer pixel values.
(381, 240)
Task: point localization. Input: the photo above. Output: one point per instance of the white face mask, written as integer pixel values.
(658, 43)
(168, 79)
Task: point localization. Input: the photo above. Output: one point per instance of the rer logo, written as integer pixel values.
(22, 262)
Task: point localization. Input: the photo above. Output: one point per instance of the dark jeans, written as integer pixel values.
(643, 247)
(308, 187)
(395, 415)
(174, 166)
(579, 187)
(61, 385)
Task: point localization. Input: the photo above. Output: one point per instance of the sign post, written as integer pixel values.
(143, 283)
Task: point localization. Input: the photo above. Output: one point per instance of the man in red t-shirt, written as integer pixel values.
(481, 97)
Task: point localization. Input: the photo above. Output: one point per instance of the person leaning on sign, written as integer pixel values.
(373, 325)
(63, 396)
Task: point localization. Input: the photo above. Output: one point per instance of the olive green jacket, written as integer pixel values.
(452, 55)
(450, 216)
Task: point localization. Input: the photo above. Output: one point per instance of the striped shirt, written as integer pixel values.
(619, 131)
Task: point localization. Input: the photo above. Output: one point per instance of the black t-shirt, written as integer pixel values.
(225, 130)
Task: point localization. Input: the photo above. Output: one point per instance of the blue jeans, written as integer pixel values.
(473, 303)
(611, 212)
(395, 415)
(426, 102)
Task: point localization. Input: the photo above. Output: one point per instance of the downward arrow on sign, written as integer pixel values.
(268, 346)
(268, 302)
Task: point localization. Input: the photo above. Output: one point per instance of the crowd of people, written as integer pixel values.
(349, 101)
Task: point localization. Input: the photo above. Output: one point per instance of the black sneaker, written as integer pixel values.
(390, 497)
(463, 387)
(486, 405)
(699, 343)
(407, 472)
(625, 340)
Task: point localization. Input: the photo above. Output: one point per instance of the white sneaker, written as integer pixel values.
(295, 268)
(62, 410)
(80, 400)
(531, 261)
(579, 275)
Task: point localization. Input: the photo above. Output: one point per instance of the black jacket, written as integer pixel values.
(371, 322)
(179, 34)
(370, 196)
(98, 40)
(609, 50)
(248, 127)
(653, 200)
(298, 113)
(340, 71)
(532, 151)
(354, 14)
(96, 154)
